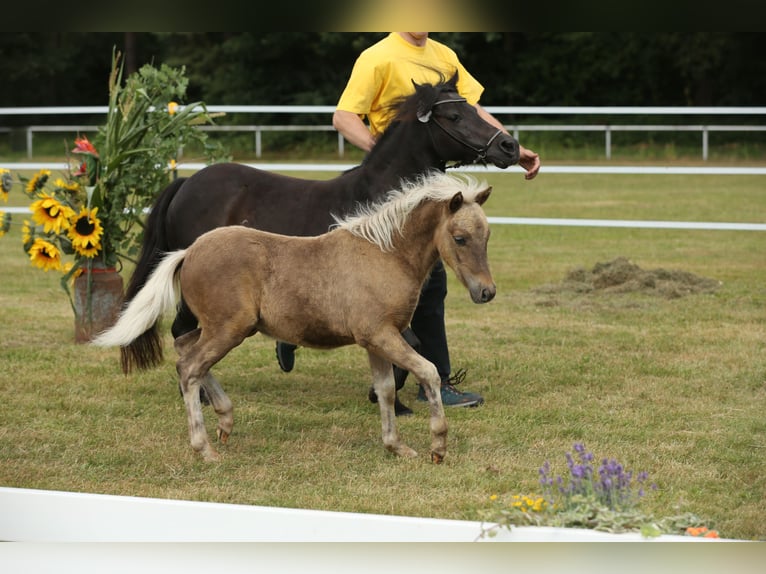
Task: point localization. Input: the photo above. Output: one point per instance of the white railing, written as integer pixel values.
(516, 128)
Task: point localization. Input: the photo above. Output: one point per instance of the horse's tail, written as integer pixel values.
(157, 297)
(146, 350)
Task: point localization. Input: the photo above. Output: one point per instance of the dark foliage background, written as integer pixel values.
(516, 68)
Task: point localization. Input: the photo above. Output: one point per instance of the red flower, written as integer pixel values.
(83, 170)
(82, 145)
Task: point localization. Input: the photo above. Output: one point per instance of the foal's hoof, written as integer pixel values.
(210, 455)
(437, 458)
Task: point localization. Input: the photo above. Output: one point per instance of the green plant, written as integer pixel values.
(95, 212)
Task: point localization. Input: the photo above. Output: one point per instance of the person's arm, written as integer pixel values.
(351, 126)
(528, 159)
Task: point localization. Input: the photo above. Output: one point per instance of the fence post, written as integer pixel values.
(258, 142)
(341, 148)
(704, 143)
(608, 141)
(29, 143)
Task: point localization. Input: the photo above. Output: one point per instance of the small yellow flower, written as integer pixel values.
(45, 255)
(172, 108)
(51, 214)
(493, 497)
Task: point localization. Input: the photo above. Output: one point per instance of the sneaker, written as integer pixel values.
(451, 397)
(286, 356)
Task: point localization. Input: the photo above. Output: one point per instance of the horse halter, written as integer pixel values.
(481, 152)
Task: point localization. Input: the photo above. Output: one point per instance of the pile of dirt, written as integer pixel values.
(622, 276)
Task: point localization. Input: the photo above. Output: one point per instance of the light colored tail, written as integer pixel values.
(156, 297)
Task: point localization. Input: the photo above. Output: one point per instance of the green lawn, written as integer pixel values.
(672, 386)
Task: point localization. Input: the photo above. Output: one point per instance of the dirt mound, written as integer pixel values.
(622, 276)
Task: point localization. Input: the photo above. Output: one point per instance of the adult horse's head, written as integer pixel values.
(455, 129)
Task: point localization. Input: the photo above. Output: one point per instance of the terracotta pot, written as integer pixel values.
(105, 302)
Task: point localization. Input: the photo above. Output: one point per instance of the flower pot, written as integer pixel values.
(96, 306)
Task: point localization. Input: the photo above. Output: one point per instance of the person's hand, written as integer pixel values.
(530, 161)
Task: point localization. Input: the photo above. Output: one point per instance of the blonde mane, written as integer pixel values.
(379, 222)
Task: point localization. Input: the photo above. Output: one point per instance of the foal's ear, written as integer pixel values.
(483, 195)
(456, 202)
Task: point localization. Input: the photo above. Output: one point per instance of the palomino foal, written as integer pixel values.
(357, 284)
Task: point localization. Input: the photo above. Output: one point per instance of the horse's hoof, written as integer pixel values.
(403, 451)
(223, 436)
(211, 455)
(437, 458)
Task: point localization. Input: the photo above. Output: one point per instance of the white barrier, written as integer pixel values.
(607, 128)
(53, 516)
(626, 170)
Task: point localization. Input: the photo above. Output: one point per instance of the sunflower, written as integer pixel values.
(6, 181)
(38, 181)
(70, 186)
(45, 255)
(5, 223)
(85, 233)
(51, 214)
(27, 233)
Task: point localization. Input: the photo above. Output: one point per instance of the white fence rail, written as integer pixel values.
(516, 128)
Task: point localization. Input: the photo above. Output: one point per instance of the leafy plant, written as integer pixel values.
(95, 212)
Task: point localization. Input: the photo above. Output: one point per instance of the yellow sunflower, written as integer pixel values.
(70, 186)
(45, 255)
(6, 181)
(67, 267)
(38, 181)
(85, 233)
(51, 214)
(5, 223)
(27, 232)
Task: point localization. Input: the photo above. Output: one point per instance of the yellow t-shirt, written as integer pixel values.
(385, 71)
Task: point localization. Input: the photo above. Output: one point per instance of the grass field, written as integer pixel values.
(675, 386)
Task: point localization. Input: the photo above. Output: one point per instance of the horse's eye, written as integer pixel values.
(454, 117)
(459, 239)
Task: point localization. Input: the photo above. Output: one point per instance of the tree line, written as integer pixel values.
(311, 68)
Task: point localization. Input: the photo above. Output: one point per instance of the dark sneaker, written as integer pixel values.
(451, 397)
(286, 356)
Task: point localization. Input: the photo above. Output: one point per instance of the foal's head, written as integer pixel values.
(461, 231)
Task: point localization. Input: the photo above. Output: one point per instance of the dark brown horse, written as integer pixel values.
(430, 128)
(357, 284)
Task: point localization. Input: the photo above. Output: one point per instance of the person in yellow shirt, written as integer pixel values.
(383, 73)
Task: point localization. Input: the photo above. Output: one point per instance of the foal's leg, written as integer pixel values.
(395, 349)
(222, 406)
(197, 355)
(213, 391)
(383, 384)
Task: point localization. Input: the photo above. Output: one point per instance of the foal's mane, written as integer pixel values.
(379, 222)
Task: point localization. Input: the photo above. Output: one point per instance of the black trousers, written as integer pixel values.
(428, 321)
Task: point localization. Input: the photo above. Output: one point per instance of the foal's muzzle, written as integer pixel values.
(483, 293)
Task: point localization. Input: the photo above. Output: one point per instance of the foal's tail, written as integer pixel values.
(157, 297)
(146, 350)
